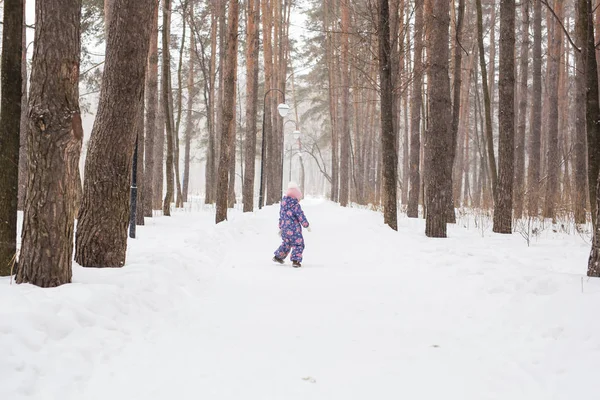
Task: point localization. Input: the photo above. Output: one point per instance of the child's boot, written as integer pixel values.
(296, 264)
(278, 260)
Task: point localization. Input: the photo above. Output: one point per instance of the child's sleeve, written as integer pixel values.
(300, 216)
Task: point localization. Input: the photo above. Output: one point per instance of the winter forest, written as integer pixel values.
(447, 152)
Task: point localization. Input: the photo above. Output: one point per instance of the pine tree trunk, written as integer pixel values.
(506, 117)
(438, 135)
(54, 137)
(345, 89)
(151, 92)
(519, 184)
(228, 131)
(221, 6)
(457, 83)
(592, 113)
(489, 135)
(167, 107)
(189, 120)
(252, 67)
(24, 117)
(533, 170)
(179, 194)
(388, 139)
(232, 156)
(211, 149)
(553, 158)
(581, 192)
(415, 115)
(267, 139)
(159, 152)
(102, 224)
(10, 121)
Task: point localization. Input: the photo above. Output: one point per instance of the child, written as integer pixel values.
(291, 221)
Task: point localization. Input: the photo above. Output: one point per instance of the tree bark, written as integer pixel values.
(10, 121)
(451, 216)
(506, 117)
(489, 135)
(179, 194)
(519, 184)
(267, 139)
(388, 138)
(210, 175)
(533, 171)
(345, 88)
(553, 159)
(151, 117)
(592, 112)
(228, 131)
(438, 136)
(102, 224)
(189, 120)
(415, 115)
(24, 118)
(168, 107)
(581, 191)
(252, 66)
(54, 138)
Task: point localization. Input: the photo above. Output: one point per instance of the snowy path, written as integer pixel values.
(202, 312)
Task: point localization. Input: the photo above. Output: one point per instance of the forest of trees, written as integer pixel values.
(417, 106)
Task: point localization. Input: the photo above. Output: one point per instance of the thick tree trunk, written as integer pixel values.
(252, 66)
(519, 184)
(553, 159)
(168, 108)
(54, 137)
(102, 224)
(439, 133)
(151, 117)
(10, 121)
(388, 139)
(228, 131)
(503, 195)
(581, 191)
(415, 115)
(533, 171)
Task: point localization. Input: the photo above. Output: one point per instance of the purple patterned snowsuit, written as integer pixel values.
(291, 221)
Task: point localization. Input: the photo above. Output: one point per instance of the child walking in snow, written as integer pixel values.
(291, 221)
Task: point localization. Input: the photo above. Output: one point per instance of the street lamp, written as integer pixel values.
(296, 135)
(282, 109)
(133, 194)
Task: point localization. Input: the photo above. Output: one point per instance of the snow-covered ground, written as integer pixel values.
(201, 312)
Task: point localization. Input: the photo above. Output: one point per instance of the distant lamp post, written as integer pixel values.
(282, 109)
(296, 135)
(133, 194)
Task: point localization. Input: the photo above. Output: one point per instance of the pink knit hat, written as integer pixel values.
(293, 191)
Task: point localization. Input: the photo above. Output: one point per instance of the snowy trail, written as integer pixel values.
(372, 314)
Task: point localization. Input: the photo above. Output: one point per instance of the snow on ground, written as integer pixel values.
(200, 311)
